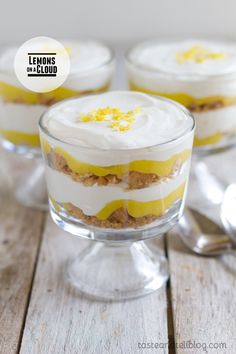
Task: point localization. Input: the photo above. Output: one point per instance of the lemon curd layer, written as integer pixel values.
(135, 208)
(19, 138)
(160, 168)
(186, 99)
(138, 209)
(209, 140)
(11, 93)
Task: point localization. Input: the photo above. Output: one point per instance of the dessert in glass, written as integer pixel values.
(117, 167)
(91, 69)
(201, 75)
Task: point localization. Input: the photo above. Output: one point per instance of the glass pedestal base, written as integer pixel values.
(118, 271)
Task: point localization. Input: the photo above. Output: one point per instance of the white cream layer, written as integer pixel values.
(156, 68)
(118, 157)
(90, 67)
(92, 199)
(157, 83)
(158, 121)
(163, 57)
(218, 120)
(20, 117)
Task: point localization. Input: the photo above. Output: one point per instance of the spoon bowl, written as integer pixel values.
(199, 242)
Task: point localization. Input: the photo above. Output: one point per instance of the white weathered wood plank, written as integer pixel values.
(61, 321)
(20, 232)
(203, 297)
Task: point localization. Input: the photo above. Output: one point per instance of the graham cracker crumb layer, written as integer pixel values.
(132, 179)
(117, 220)
(205, 107)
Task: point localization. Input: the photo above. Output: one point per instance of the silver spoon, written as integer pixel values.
(199, 242)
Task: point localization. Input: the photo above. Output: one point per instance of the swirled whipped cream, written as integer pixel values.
(188, 57)
(86, 55)
(117, 120)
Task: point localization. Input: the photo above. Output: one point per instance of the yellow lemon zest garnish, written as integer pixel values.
(119, 121)
(85, 118)
(114, 125)
(198, 54)
(124, 128)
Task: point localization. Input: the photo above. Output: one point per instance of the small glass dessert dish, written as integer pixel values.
(91, 70)
(199, 74)
(117, 167)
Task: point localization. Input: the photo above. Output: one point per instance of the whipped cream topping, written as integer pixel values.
(84, 56)
(153, 121)
(189, 57)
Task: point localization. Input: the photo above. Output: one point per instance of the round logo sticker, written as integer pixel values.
(42, 64)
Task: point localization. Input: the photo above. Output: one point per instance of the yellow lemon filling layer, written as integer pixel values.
(12, 93)
(139, 209)
(19, 138)
(160, 168)
(186, 99)
(208, 140)
(135, 208)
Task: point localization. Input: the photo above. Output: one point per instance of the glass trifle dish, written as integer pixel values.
(117, 167)
(201, 75)
(91, 70)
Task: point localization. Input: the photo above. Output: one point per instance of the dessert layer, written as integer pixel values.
(14, 94)
(160, 168)
(140, 209)
(86, 55)
(119, 219)
(209, 140)
(102, 201)
(20, 118)
(105, 158)
(222, 120)
(19, 138)
(194, 104)
(193, 57)
(135, 175)
(120, 213)
(117, 120)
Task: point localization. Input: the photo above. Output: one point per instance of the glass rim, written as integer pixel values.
(180, 77)
(177, 105)
(110, 60)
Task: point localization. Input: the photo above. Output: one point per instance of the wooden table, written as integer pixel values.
(41, 313)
